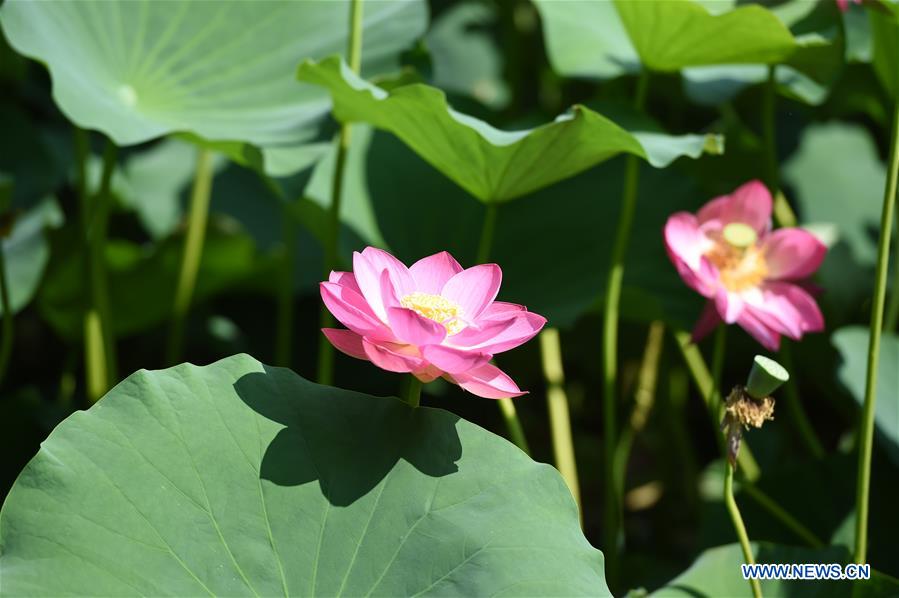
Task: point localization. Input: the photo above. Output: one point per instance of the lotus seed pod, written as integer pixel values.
(765, 377)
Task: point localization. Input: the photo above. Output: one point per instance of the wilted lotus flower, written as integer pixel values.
(433, 319)
(728, 253)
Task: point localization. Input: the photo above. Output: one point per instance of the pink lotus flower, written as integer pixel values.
(844, 4)
(433, 319)
(751, 274)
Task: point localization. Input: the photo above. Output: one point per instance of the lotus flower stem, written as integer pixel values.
(644, 397)
(866, 425)
(7, 338)
(284, 332)
(193, 251)
(559, 418)
(892, 309)
(412, 390)
(734, 512)
(513, 424)
(797, 413)
(782, 210)
(100, 358)
(610, 340)
(785, 217)
(332, 244)
(703, 380)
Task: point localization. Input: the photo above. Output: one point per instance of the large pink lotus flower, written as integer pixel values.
(751, 274)
(432, 319)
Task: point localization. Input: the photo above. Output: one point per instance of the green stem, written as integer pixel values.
(866, 426)
(702, 378)
(779, 513)
(783, 213)
(739, 526)
(559, 417)
(506, 407)
(332, 245)
(610, 341)
(794, 407)
(412, 391)
(284, 332)
(644, 397)
(6, 341)
(892, 309)
(100, 356)
(193, 251)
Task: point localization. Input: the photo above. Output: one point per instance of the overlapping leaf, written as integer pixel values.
(239, 479)
(493, 165)
(220, 70)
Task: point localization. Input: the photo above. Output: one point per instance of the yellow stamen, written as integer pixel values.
(436, 308)
(740, 261)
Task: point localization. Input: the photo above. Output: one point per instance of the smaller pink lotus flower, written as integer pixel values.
(751, 275)
(432, 319)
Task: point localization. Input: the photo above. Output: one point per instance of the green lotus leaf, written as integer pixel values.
(852, 344)
(222, 71)
(885, 52)
(239, 479)
(717, 573)
(493, 165)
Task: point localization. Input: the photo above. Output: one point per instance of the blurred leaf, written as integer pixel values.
(141, 278)
(493, 165)
(27, 251)
(238, 478)
(464, 55)
(717, 573)
(586, 39)
(137, 72)
(669, 36)
(852, 344)
(885, 31)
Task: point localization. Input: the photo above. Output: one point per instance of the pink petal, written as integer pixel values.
(766, 336)
(367, 268)
(500, 309)
(729, 305)
(750, 204)
(793, 306)
(452, 360)
(410, 327)
(496, 336)
(707, 322)
(346, 341)
(683, 239)
(352, 311)
(488, 381)
(392, 357)
(432, 272)
(473, 289)
(793, 253)
(345, 279)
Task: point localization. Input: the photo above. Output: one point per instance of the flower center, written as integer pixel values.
(436, 308)
(739, 260)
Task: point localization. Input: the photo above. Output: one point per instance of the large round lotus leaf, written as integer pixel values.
(220, 70)
(239, 479)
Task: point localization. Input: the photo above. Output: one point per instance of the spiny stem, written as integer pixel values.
(610, 342)
(506, 407)
(193, 252)
(739, 526)
(332, 246)
(866, 425)
(559, 418)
